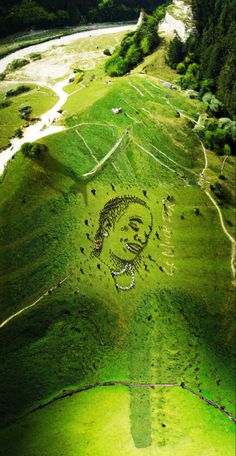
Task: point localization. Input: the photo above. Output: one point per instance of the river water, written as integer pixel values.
(44, 126)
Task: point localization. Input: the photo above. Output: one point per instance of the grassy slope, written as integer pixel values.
(39, 98)
(85, 331)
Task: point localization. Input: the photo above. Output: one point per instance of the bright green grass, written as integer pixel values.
(78, 427)
(39, 98)
(168, 328)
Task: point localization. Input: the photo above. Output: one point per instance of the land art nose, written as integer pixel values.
(140, 237)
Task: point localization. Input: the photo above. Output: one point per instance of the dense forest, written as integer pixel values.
(136, 45)
(207, 61)
(16, 15)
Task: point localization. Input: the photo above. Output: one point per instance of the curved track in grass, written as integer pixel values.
(70, 392)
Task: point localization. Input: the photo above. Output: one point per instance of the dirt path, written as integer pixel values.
(70, 392)
(202, 183)
(46, 293)
(45, 126)
(104, 159)
(147, 152)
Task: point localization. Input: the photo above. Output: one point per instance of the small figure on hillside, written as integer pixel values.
(93, 191)
(177, 115)
(145, 193)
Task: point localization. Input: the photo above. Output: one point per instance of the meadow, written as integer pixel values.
(174, 325)
(41, 99)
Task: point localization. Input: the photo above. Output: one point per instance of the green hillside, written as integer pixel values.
(108, 181)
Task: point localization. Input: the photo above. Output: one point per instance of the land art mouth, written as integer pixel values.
(133, 247)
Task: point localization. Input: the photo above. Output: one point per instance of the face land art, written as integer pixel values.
(125, 225)
(131, 232)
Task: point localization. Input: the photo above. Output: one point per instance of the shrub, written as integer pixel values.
(33, 150)
(5, 103)
(17, 91)
(2, 76)
(17, 63)
(206, 86)
(222, 192)
(78, 78)
(227, 149)
(25, 112)
(175, 52)
(116, 66)
(212, 103)
(181, 68)
(133, 56)
(107, 52)
(18, 133)
(35, 56)
(133, 48)
(78, 70)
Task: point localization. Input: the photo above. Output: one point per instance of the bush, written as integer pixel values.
(25, 112)
(2, 76)
(227, 149)
(5, 103)
(222, 192)
(17, 91)
(33, 150)
(175, 52)
(212, 103)
(206, 86)
(78, 78)
(181, 68)
(17, 63)
(107, 52)
(133, 56)
(116, 66)
(133, 48)
(18, 133)
(35, 56)
(78, 70)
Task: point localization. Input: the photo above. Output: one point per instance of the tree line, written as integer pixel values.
(207, 60)
(21, 15)
(136, 45)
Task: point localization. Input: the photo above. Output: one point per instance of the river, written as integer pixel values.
(44, 126)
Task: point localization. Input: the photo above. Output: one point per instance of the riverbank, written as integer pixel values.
(43, 71)
(63, 40)
(14, 43)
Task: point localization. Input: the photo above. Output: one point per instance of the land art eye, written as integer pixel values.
(134, 226)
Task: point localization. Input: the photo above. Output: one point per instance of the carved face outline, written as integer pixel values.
(130, 233)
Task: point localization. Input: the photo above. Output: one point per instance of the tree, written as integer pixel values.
(33, 150)
(175, 52)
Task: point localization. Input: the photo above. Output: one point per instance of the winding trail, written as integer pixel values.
(46, 293)
(201, 182)
(44, 127)
(173, 161)
(104, 159)
(202, 179)
(147, 152)
(70, 392)
(136, 88)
